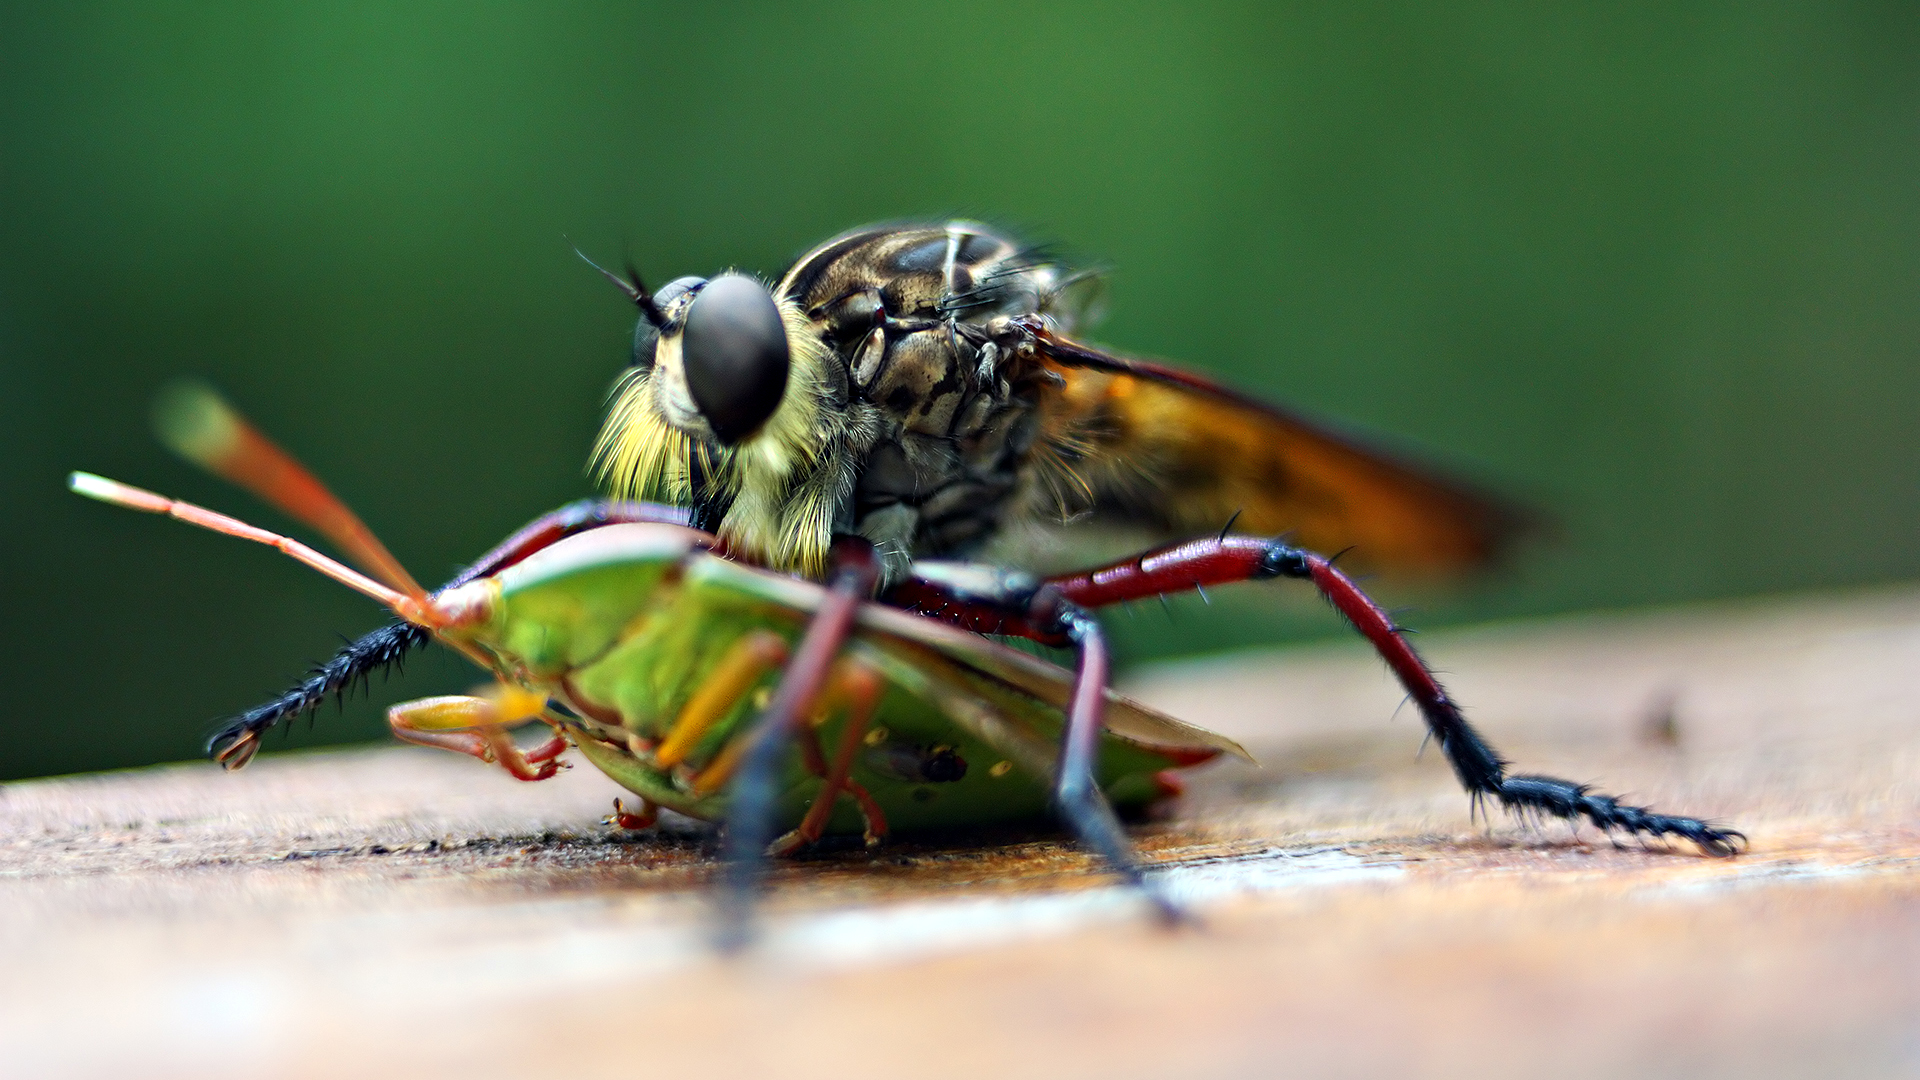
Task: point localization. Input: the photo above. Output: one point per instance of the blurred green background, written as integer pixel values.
(1654, 268)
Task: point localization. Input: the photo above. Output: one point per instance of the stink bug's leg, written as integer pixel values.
(876, 818)
(744, 664)
(861, 687)
(1480, 769)
(858, 687)
(477, 727)
(623, 818)
(854, 571)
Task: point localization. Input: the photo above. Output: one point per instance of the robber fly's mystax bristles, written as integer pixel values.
(782, 482)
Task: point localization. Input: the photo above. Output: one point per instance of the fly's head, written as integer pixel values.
(726, 409)
(719, 356)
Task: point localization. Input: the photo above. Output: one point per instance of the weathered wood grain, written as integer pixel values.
(397, 912)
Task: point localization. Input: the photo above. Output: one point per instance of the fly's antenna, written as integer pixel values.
(418, 610)
(196, 423)
(635, 288)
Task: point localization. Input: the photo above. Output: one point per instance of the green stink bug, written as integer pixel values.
(666, 664)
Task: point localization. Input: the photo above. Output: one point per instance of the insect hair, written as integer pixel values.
(786, 483)
(350, 669)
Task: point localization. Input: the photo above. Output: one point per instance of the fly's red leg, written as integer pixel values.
(994, 601)
(575, 517)
(1481, 770)
(855, 569)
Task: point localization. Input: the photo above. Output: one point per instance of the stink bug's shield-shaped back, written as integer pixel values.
(621, 630)
(626, 626)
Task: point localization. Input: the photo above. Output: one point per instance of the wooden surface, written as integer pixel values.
(399, 912)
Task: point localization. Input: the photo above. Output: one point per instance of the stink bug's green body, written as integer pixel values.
(625, 628)
(689, 677)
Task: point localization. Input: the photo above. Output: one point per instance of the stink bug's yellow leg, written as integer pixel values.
(857, 688)
(477, 727)
(854, 575)
(745, 664)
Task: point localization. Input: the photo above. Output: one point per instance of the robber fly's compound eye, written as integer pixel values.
(736, 357)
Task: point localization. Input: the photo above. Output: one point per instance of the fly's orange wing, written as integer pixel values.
(1151, 445)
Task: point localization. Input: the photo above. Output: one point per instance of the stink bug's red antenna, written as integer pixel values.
(414, 609)
(196, 423)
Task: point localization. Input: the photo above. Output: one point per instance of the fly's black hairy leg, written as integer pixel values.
(235, 743)
(1480, 769)
(1570, 802)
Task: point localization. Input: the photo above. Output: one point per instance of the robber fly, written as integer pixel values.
(905, 395)
(920, 386)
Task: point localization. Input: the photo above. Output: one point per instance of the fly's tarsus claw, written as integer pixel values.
(1720, 843)
(234, 753)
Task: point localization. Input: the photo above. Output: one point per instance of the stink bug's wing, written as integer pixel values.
(1050, 683)
(1154, 446)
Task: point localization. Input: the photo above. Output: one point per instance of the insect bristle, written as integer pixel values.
(783, 503)
(638, 454)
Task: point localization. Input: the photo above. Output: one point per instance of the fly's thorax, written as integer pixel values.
(912, 314)
(962, 269)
